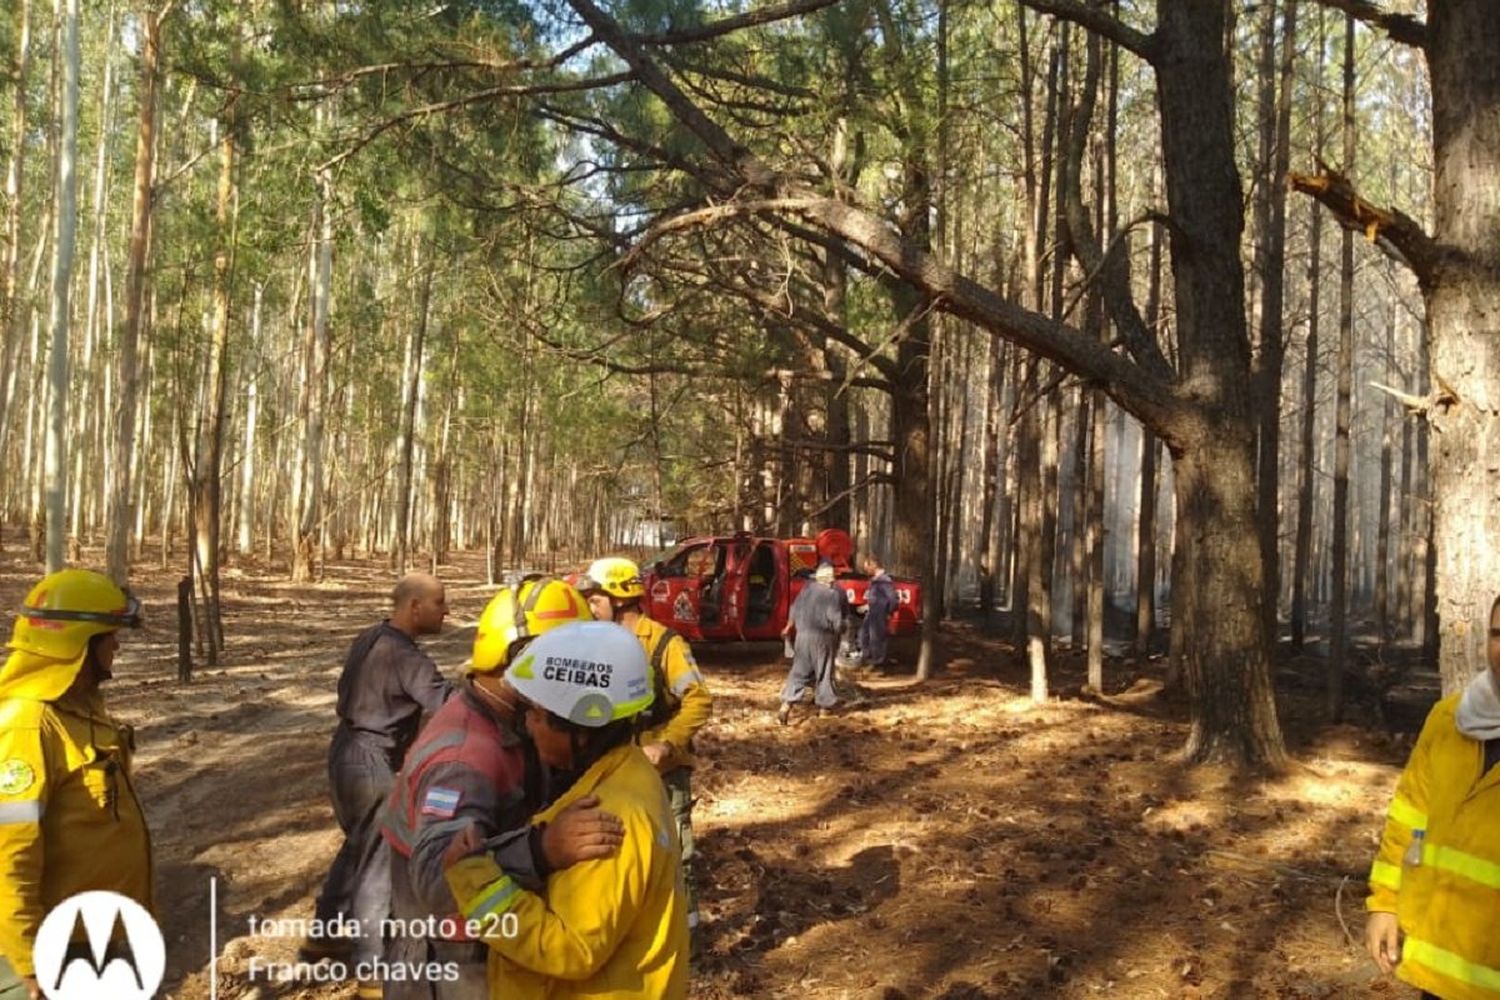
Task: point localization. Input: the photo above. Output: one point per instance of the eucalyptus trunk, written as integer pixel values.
(308, 508)
(12, 316)
(207, 469)
(65, 216)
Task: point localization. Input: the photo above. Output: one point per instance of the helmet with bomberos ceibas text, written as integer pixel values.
(589, 673)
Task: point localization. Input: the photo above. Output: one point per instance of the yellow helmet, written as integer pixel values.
(67, 609)
(537, 604)
(616, 576)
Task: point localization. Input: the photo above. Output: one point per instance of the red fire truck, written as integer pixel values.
(729, 587)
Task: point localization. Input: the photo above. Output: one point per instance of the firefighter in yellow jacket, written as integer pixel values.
(683, 705)
(610, 929)
(1435, 885)
(70, 821)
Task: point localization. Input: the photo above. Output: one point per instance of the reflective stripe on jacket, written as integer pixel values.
(1448, 905)
(685, 688)
(70, 821)
(610, 929)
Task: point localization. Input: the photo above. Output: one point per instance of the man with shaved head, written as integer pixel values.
(386, 685)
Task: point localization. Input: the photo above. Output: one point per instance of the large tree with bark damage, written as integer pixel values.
(1457, 266)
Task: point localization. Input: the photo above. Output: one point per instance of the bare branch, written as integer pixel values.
(1417, 405)
(1401, 28)
(328, 83)
(1148, 397)
(187, 165)
(682, 65)
(878, 449)
(1099, 21)
(488, 94)
(1441, 398)
(784, 306)
(723, 26)
(1397, 234)
(1109, 267)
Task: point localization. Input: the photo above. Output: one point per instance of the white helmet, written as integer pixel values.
(590, 673)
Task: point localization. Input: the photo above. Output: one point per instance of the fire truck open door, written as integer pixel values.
(676, 593)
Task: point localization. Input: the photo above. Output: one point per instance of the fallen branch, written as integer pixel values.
(1400, 27)
(1397, 234)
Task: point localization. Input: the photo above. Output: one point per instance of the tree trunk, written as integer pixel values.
(1218, 604)
(989, 532)
(245, 541)
(913, 551)
(1306, 485)
(411, 377)
(1094, 521)
(1233, 706)
(1425, 629)
(1028, 508)
(1078, 489)
(308, 513)
(1406, 527)
(1339, 614)
(66, 227)
(1383, 515)
(1105, 186)
(1275, 155)
(1463, 307)
(12, 319)
(1145, 545)
(1036, 615)
(207, 468)
(442, 472)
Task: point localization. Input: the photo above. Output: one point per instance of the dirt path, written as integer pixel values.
(943, 842)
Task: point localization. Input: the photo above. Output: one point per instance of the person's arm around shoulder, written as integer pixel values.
(572, 931)
(452, 798)
(24, 785)
(457, 800)
(1407, 812)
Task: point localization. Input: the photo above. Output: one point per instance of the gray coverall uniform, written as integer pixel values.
(817, 616)
(386, 685)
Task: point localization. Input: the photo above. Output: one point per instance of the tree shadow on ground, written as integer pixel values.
(1081, 867)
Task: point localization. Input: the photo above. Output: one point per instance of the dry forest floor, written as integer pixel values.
(945, 841)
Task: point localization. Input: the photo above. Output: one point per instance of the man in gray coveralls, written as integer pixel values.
(816, 618)
(387, 683)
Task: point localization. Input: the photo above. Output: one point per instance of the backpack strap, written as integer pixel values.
(664, 704)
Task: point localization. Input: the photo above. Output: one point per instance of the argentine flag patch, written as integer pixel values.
(440, 802)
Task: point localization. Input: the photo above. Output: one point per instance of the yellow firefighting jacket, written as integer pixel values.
(684, 687)
(610, 929)
(1448, 905)
(69, 817)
